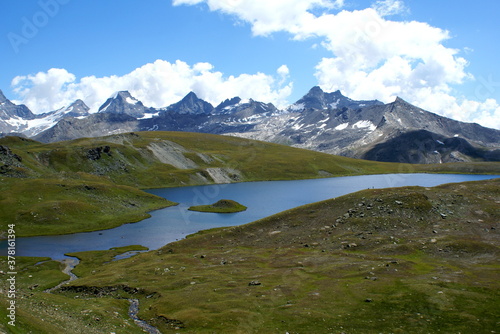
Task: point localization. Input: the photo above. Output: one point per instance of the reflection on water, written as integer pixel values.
(262, 199)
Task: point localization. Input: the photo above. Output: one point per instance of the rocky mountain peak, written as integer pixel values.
(191, 96)
(317, 99)
(9, 109)
(127, 97)
(191, 99)
(403, 107)
(318, 91)
(79, 103)
(324, 121)
(191, 104)
(77, 108)
(400, 101)
(228, 103)
(123, 103)
(244, 109)
(315, 91)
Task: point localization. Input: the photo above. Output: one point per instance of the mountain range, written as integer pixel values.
(320, 121)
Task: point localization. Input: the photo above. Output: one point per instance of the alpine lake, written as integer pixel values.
(262, 199)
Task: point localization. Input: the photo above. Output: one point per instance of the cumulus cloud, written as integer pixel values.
(266, 16)
(372, 57)
(486, 113)
(157, 84)
(44, 89)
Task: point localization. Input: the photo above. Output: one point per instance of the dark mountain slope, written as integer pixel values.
(422, 146)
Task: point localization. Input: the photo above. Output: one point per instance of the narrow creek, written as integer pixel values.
(70, 264)
(133, 310)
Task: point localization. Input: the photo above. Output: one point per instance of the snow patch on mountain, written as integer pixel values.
(131, 100)
(364, 124)
(335, 104)
(296, 107)
(341, 126)
(148, 116)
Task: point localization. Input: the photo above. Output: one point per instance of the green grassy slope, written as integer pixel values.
(47, 206)
(78, 185)
(400, 260)
(159, 159)
(162, 159)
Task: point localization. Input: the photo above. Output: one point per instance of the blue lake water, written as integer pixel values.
(262, 199)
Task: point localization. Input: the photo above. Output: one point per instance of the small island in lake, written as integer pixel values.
(221, 206)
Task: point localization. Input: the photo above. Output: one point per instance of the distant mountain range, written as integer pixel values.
(325, 122)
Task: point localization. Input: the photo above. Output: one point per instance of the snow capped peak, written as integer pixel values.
(77, 109)
(324, 121)
(123, 103)
(124, 95)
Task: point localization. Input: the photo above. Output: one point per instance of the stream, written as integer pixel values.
(132, 312)
(71, 263)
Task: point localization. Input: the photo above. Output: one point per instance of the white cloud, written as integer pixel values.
(157, 84)
(371, 56)
(283, 71)
(44, 89)
(267, 16)
(485, 113)
(389, 7)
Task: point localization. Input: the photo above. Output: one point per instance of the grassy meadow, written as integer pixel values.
(398, 260)
(376, 261)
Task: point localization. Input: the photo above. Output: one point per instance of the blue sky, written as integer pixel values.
(439, 55)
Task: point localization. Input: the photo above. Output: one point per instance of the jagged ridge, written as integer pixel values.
(325, 122)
